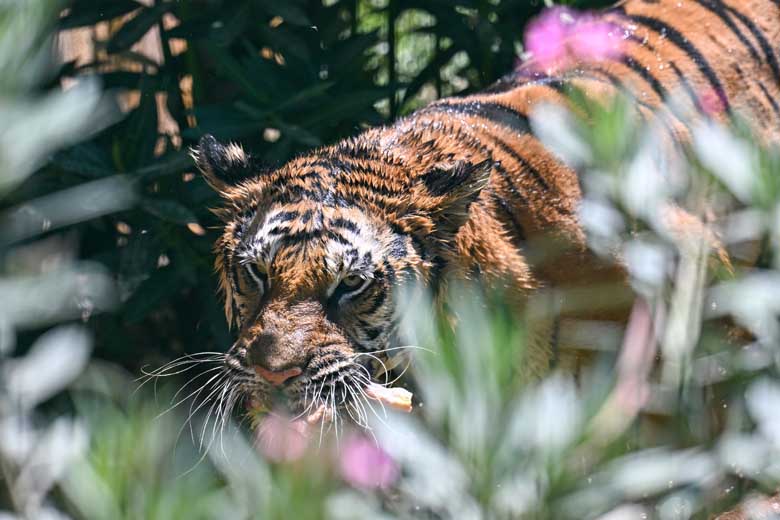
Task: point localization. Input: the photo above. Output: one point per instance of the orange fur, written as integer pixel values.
(461, 187)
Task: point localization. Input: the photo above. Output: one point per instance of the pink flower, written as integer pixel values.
(365, 465)
(282, 440)
(561, 37)
(712, 102)
(546, 36)
(594, 40)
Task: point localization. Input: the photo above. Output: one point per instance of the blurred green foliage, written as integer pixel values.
(282, 76)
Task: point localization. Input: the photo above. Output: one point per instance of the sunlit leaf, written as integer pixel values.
(169, 210)
(54, 361)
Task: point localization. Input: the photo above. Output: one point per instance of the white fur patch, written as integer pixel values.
(235, 153)
(340, 260)
(357, 256)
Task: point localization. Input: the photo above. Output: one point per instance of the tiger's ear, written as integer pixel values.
(443, 196)
(222, 165)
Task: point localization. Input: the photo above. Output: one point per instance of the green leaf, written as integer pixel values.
(90, 12)
(134, 29)
(161, 286)
(350, 53)
(300, 135)
(346, 105)
(289, 12)
(231, 26)
(231, 68)
(168, 210)
(291, 43)
(293, 102)
(168, 165)
(86, 159)
(224, 122)
(429, 73)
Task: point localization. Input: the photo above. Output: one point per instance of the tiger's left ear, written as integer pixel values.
(222, 165)
(442, 198)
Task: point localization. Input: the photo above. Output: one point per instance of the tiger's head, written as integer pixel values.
(312, 254)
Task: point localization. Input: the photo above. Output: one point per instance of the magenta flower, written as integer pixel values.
(594, 40)
(365, 465)
(712, 102)
(561, 37)
(281, 439)
(546, 37)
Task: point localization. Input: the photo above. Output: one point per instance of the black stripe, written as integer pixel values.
(278, 230)
(372, 177)
(468, 140)
(345, 224)
(379, 300)
(517, 231)
(766, 47)
(498, 114)
(609, 79)
(520, 199)
(292, 193)
(301, 236)
(361, 149)
(284, 216)
(303, 173)
(687, 87)
(337, 237)
(417, 244)
(495, 112)
(343, 167)
(371, 332)
(616, 82)
(770, 98)
(646, 75)
(739, 71)
(398, 248)
(326, 163)
(679, 40)
(557, 84)
(497, 166)
(389, 272)
(719, 9)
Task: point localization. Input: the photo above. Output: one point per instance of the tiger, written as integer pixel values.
(312, 253)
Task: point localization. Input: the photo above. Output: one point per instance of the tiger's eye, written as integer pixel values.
(352, 281)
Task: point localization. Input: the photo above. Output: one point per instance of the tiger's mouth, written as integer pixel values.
(347, 394)
(340, 391)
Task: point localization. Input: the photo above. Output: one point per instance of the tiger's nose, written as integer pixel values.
(277, 377)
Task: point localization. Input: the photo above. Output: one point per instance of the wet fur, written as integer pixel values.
(460, 188)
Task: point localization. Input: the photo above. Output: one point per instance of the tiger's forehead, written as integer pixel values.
(302, 235)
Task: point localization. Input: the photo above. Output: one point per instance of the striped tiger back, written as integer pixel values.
(313, 251)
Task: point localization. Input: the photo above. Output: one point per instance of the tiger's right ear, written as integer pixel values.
(441, 198)
(223, 166)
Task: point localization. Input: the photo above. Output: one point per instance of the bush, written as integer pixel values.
(101, 211)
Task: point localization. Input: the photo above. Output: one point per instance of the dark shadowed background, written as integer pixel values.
(278, 76)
